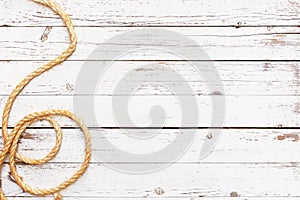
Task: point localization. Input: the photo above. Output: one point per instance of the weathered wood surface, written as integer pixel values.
(178, 180)
(238, 78)
(243, 111)
(255, 48)
(155, 13)
(163, 198)
(220, 43)
(234, 146)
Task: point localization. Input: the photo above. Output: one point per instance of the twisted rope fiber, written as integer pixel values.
(11, 140)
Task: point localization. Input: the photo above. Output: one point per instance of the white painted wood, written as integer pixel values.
(178, 180)
(154, 13)
(163, 198)
(244, 111)
(255, 164)
(238, 78)
(234, 146)
(220, 43)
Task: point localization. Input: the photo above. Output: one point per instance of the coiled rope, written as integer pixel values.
(11, 140)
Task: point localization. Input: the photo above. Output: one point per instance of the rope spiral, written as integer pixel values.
(11, 139)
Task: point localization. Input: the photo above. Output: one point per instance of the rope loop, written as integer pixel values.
(11, 139)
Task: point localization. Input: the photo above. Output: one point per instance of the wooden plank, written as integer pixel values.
(220, 43)
(238, 78)
(234, 146)
(178, 180)
(162, 198)
(245, 111)
(155, 13)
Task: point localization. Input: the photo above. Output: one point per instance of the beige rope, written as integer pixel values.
(11, 140)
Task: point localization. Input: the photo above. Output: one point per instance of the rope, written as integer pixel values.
(11, 140)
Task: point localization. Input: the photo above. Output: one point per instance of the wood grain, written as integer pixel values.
(155, 13)
(220, 43)
(238, 78)
(178, 180)
(244, 111)
(182, 198)
(234, 146)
